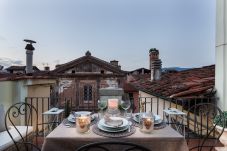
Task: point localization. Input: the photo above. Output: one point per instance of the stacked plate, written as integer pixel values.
(104, 126)
(158, 120)
(72, 117)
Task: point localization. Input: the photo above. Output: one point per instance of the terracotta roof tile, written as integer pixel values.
(179, 84)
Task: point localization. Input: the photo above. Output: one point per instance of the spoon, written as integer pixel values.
(67, 125)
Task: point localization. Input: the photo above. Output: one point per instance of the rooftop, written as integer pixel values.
(11, 68)
(188, 83)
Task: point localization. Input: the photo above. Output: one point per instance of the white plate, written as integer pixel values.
(158, 119)
(124, 124)
(112, 130)
(71, 118)
(136, 117)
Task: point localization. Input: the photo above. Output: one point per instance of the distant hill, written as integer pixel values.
(169, 69)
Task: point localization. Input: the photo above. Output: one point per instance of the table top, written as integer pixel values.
(70, 132)
(53, 111)
(174, 111)
(162, 139)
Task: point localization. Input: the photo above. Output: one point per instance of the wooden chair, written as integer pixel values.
(201, 130)
(111, 146)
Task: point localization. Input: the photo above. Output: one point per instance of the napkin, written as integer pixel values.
(111, 121)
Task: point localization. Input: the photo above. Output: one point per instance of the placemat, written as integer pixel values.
(160, 126)
(156, 126)
(66, 121)
(125, 133)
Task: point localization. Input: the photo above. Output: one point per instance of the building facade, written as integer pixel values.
(80, 80)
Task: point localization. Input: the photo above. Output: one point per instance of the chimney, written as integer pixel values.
(115, 63)
(29, 56)
(1, 67)
(46, 68)
(57, 66)
(155, 64)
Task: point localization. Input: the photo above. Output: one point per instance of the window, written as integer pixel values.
(87, 93)
(73, 71)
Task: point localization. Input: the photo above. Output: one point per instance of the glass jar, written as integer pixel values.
(146, 122)
(83, 123)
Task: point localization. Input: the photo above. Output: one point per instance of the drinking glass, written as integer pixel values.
(146, 122)
(125, 105)
(102, 104)
(83, 123)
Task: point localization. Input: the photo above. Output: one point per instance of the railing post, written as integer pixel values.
(42, 114)
(157, 105)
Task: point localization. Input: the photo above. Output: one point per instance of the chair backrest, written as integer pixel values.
(112, 146)
(201, 127)
(22, 114)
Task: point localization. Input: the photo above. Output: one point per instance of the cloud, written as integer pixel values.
(6, 62)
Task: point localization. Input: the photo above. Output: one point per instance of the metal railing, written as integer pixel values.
(153, 104)
(43, 104)
(157, 105)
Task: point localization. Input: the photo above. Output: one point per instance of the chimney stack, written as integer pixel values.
(155, 64)
(46, 68)
(29, 56)
(1, 67)
(115, 63)
(57, 65)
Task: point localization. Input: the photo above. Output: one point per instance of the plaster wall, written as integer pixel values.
(221, 53)
(6, 93)
(155, 104)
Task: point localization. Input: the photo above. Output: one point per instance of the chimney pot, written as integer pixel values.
(29, 56)
(1, 67)
(47, 68)
(29, 47)
(155, 64)
(114, 62)
(57, 65)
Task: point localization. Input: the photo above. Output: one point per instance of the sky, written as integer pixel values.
(123, 30)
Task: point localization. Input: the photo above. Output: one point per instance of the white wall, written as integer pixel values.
(221, 53)
(6, 93)
(158, 104)
(16, 91)
(12, 92)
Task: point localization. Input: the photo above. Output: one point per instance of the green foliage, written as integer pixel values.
(120, 107)
(219, 121)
